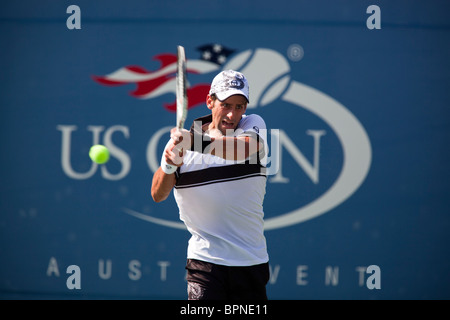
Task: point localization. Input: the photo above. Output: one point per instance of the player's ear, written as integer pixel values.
(209, 101)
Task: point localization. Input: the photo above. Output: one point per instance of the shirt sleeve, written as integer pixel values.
(254, 126)
(251, 124)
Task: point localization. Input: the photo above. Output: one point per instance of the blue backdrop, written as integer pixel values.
(358, 114)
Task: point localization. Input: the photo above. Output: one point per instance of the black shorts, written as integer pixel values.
(208, 281)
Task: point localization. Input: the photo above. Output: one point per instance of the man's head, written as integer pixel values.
(227, 100)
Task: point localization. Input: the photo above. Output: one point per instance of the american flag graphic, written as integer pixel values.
(151, 84)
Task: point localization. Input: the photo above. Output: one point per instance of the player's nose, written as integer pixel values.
(232, 114)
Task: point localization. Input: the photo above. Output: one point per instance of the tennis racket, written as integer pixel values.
(181, 86)
(181, 94)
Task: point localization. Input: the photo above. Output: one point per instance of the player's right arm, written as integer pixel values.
(162, 185)
(164, 180)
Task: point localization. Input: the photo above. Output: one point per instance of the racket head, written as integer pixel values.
(181, 87)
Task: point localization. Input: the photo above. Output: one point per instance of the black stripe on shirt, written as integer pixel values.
(219, 174)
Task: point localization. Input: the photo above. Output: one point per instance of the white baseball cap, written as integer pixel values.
(228, 83)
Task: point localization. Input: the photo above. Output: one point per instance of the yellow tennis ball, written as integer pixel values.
(99, 154)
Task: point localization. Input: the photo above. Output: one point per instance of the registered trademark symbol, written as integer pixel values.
(295, 52)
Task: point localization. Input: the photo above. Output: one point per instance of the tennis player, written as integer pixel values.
(219, 186)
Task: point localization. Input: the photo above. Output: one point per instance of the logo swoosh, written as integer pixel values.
(162, 222)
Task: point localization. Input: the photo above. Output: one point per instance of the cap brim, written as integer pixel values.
(225, 95)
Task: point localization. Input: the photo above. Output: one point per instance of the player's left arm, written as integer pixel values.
(235, 148)
(246, 143)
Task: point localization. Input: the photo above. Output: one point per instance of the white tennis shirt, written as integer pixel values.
(221, 203)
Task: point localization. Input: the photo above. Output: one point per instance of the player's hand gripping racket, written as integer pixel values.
(181, 96)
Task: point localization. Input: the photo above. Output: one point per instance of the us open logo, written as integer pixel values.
(304, 181)
(268, 73)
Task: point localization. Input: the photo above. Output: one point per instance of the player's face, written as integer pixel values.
(227, 114)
